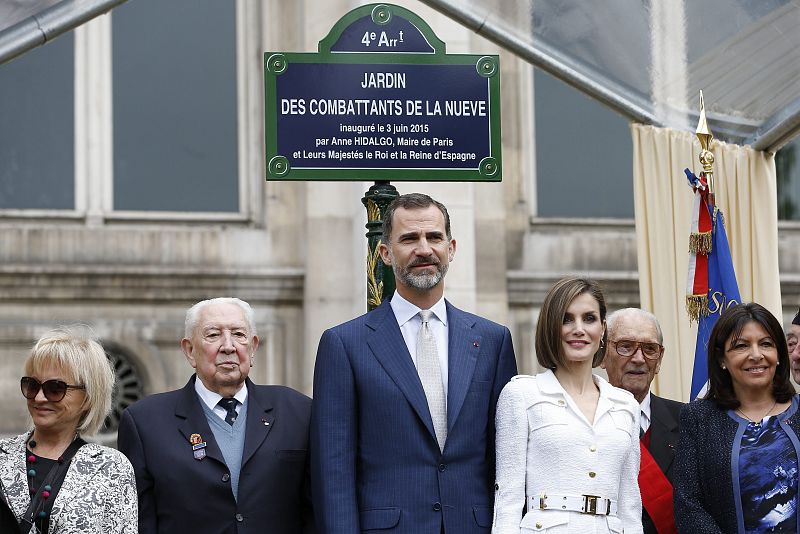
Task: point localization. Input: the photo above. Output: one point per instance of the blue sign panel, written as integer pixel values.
(383, 116)
(396, 35)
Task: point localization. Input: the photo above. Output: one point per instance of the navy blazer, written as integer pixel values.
(375, 462)
(664, 432)
(178, 493)
(703, 488)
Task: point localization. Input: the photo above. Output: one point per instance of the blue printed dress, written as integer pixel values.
(768, 475)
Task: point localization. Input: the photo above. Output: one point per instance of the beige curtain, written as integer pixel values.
(746, 194)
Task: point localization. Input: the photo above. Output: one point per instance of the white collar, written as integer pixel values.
(404, 311)
(549, 384)
(211, 399)
(645, 404)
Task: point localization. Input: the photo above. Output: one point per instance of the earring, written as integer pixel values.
(602, 344)
(723, 367)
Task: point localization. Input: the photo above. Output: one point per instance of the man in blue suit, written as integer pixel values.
(402, 427)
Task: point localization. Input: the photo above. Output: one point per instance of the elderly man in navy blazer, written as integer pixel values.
(221, 455)
(402, 432)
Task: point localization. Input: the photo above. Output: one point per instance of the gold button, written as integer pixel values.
(538, 525)
(561, 403)
(593, 448)
(592, 474)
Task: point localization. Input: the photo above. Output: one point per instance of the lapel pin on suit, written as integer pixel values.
(198, 446)
(475, 344)
(266, 423)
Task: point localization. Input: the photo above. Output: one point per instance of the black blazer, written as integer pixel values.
(178, 493)
(664, 433)
(8, 521)
(703, 487)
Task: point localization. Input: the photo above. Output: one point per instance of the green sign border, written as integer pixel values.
(275, 63)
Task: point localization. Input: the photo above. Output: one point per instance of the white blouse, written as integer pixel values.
(540, 427)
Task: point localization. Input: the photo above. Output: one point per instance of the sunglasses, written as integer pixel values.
(54, 390)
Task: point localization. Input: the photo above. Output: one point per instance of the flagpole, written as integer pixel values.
(705, 136)
(712, 285)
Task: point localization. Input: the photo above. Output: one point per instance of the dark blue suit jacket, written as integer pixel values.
(178, 493)
(704, 493)
(376, 464)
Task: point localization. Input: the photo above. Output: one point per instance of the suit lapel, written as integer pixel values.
(389, 348)
(462, 353)
(192, 420)
(664, 433)
(260, 421)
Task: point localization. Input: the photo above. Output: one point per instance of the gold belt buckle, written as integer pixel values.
(590, 504)
(542, 501)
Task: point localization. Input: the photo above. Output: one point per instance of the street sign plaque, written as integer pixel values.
(381, 100)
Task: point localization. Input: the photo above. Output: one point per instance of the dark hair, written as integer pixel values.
(549, 353)
(412, 201)
(729, 326)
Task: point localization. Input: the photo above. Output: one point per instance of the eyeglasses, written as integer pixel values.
(54, 390)
(628, 347)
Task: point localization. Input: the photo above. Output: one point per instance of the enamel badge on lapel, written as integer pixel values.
(198, 446)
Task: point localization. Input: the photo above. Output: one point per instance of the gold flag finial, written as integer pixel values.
(705, 136)
(703, 133)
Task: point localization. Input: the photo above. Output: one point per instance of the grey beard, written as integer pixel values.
(423, 281)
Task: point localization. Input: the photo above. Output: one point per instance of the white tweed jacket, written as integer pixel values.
(546, 445)
(98, 493)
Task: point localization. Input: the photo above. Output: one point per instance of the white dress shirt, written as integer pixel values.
(645, 415)
(211, 399)
(408, 319)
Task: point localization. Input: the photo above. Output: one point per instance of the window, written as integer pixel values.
(37, 128)
(584, 154)
(787, 168)
(175, 108)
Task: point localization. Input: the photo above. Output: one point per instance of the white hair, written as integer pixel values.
(613, 318)
(193, 313)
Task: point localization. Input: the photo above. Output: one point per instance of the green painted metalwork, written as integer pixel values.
(380, 277)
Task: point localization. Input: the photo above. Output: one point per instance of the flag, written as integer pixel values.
(712, 286)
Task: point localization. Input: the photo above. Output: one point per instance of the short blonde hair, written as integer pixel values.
(83, 362)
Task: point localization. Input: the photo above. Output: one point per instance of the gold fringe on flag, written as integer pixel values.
(700, 243)
(696, 306)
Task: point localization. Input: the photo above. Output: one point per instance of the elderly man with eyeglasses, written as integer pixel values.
(632, 361)
(792, 337)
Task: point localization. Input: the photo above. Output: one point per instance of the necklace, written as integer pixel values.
(740, 412)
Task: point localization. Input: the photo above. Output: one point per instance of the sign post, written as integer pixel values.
(381, 100)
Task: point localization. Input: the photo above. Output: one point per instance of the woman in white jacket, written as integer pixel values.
(576, 435)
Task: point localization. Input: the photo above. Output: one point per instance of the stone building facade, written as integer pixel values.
(295, 251)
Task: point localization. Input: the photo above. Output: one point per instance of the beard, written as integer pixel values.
(422, 280)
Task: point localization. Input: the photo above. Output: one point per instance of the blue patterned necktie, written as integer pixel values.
(229, 404)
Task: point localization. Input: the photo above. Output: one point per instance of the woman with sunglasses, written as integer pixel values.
(52, 479)
(736, 467)
(567, 441)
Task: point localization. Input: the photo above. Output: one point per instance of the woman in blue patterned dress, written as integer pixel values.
(737, 459)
